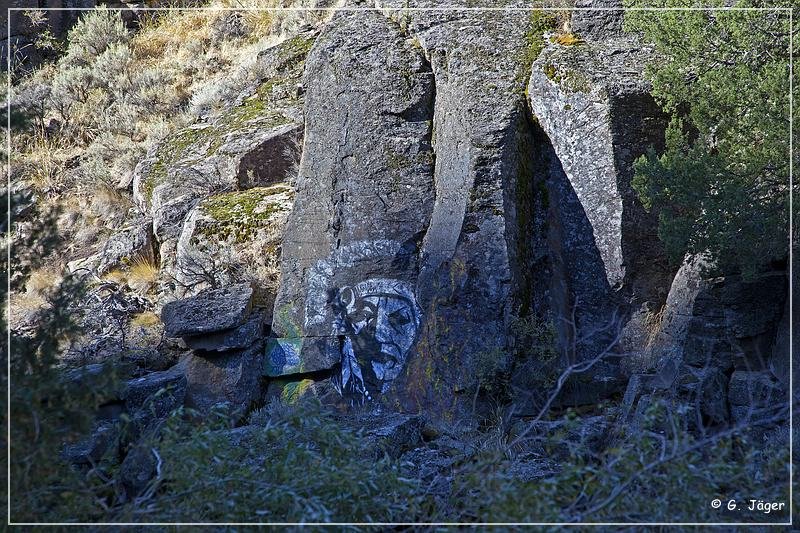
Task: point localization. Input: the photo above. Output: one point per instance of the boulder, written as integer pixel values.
(125, 246)
(782, 362)
(754, 389)
(602, 381)
(232, 377)
(670, 327)
(706, 389)
(211, 311)
(714, 322)
(396, 433)
(289, 390)
(134, 243)
(734, 321)
(158, 393)
(234, 236)
(137, 470)
(251, 142)
(242, 337)
(91, 450)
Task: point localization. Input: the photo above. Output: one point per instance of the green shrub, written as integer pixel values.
(721, 184)
(47, 410)
(644, 476)
(93, 34)
(303, 466)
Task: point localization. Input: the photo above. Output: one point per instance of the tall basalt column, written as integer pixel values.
(365, 195)
(406, 257)
(593, 103)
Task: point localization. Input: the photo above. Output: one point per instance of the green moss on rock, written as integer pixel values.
(238, 215)
(540, 22)
(174, 148)
(262, 109)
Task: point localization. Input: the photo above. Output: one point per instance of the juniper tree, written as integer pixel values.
(721, 185)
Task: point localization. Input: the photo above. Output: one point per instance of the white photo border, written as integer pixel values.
(790, 12)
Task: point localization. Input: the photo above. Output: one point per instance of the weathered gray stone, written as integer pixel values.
(233, 236)
(158, 393)
(734, 321)
(667, 339)
(604, 265)
(242, 337)
(250, 143)
(395, 434)
(363, 196)
(714, 323)
(211, 311)
(597, 19)
(137, 470)
(781, 361)
(380, 224)
(90, 451)
(753, 389)
(706, 389)
(231, 377)
(128, 245)
(121, 249)
(602, 381)
(334, 164)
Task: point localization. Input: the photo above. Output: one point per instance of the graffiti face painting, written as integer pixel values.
(378, 321)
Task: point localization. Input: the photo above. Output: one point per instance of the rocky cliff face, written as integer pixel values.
(439, 203)
(458, 219)
(602, 268)
(409, 227)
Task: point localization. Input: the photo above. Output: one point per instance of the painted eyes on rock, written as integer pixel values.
(398, 319)
(364, 313)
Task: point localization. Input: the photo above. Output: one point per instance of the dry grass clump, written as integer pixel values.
(653, 322)
(166, 33)
(25, 306)
(143, 275)
(44, 163)
(42, 280)
(566, 39)
(110, 205)
(146, 320)
(117, 275)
